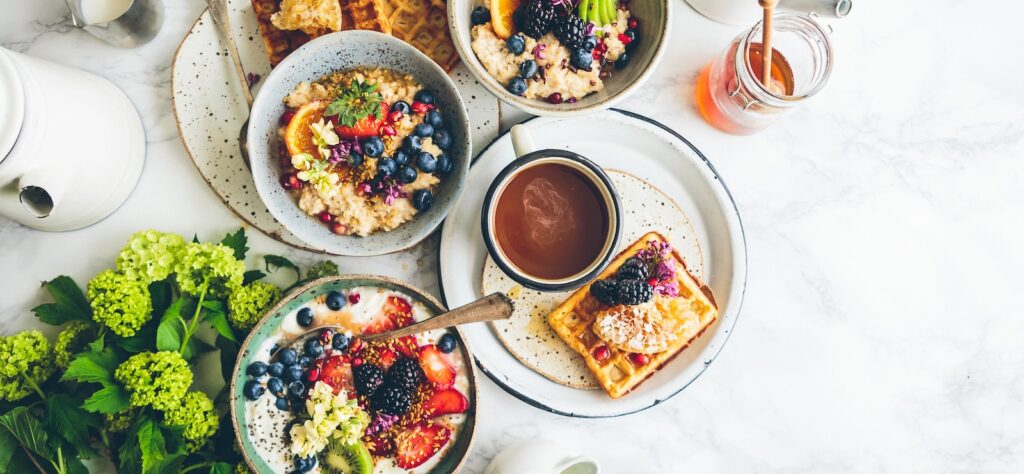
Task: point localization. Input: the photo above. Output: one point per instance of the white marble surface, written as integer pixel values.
(884, 324)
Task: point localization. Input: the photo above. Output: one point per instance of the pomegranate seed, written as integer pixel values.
(632, 23)
(286, 162)
(290, 181)
(287, 116)
(625, 39)
(652, 281)
(419, 108)
(346, 359)
(601, 353)
(326, 336)
(357, 362)
(555, 98)
(325, 217)
(353, 298)
(395, 115)
(314, 374)
(639, 359)
(388, 131)
(339, 228)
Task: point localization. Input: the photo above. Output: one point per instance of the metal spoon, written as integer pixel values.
(219, 12)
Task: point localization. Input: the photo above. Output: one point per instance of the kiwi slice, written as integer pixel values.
(341, 458)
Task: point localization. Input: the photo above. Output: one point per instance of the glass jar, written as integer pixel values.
(729, 92)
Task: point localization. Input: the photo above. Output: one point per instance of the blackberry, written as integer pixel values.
(536, 18)
(633, 269)
(392, 400)
(405, 373)
(368, 378)
(633, 292)
(606, 291)
(570, 30)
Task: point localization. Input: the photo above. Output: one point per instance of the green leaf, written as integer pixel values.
(195, 238)
(65, 417)
(96, 367)
(237, 242)
(275, 262)
(151, 444)
(161, 293)
(97, 345)
(110, 399)
(69, 302)
(128, 453)
(171, 330)
(217, 318)
(222, 468)
(8, 446)
(27, 430)
(141, 341)
(195, 348)
(251, 276)
(228, 356)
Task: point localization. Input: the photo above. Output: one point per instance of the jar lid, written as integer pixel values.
(12, 93)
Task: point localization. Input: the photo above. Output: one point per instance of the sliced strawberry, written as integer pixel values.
(368, 126)
(396, 313)
(380, 323)
(337, 373)
(380, 444)
(420, 442)
(406, 346)
(438, 371)
(445, 402)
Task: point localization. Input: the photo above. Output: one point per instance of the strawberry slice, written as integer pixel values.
(337, 373)
(420, 442)
(380, 444)
(368, 126)
(406, 346)
(397, 312)
(445, 402)
(438, 371)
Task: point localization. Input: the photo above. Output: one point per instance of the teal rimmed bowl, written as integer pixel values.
(265, 328)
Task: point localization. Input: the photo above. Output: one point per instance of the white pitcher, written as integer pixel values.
(72, 145)
(541, 457)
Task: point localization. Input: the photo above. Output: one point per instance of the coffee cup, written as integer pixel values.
(551, 218)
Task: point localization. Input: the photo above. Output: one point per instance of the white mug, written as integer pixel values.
(541, 457)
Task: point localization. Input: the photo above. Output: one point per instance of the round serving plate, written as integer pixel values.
(455, 456)
(209, 111)
(645, 148)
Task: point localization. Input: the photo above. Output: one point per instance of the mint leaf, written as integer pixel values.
(110, 399)
(151, 444)
(69, 303)
(251, 276)
(237, 242)
(171, 329)
(95, 367)
(27, 430)
(66, 418)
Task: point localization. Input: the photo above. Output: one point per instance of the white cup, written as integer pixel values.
(541, 457)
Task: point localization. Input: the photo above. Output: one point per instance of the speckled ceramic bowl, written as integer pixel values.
(654, 16)
(342, 51)
(455, 456)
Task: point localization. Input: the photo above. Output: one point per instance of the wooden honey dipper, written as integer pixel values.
(766, 42)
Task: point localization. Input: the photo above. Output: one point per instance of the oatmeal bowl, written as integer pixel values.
(359, 143)
(560, 57)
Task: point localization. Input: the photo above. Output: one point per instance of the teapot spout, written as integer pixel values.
(40, 191)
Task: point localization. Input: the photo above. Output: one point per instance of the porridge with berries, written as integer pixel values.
(554, 50)
(330, 402)
(363, 150)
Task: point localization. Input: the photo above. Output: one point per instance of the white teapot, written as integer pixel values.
(72, 145)
(541, 457)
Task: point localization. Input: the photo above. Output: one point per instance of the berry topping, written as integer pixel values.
(422, 199)
(372, 146)
(396, 115)
(601, 353)
(622, 61)
(287, 117)
(313, 348)
(435, 368)
(633, 37)
(305, 464)
(401, 106)
(388, 131)
(353, 297)
(340, 342)
(392, 399)
(368, 378)
(426, 162)
(447, 343)
(517, 86)
(570, 30)
(420, 108)
(257, 369)
(481, 15)
(633, 292)
(407, 174)
(581, 59)
(536, 19)
(444, 166)
(606, 291)
(386, 167)
(639, 359)
(419, 442)
(325, 217)
(433, 118)
(528, 69)
(339, 228)
(632, 23)
(296, 389)
(275, 385)
(335, 300)
(423, 130)
(253, 390)
(290, 181)
(445, 402)
(336, 373)
(516, 44)
(400, 157)
(292, 373)
(281, 403)
(555, 98)
(305, 317)
(276, 369)
(411, 144)
(424, 96)
(405, 373)
(442, 139)
(287, 357)
(633, 269)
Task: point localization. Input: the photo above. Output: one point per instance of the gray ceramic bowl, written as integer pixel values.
(654, 16)
(342, 51)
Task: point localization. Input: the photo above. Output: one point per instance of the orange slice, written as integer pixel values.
(501, 17)
(298, 137)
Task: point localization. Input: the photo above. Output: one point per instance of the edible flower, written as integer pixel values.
(663, 269)
(324, 137)
(330, 416)
(538, 50)
(320, 177)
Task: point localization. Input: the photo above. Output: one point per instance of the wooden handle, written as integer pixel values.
(219, 12)
(489, 308)
(766, 42)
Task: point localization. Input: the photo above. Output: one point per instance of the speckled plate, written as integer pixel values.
(456, 454)
(614, 139)
(209, 110)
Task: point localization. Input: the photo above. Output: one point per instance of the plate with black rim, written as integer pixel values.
(614, 139)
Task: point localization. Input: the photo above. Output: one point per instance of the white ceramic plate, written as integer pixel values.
(209, 110)
(636, 144)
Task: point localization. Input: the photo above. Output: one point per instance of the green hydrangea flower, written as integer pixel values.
(247, 303)
(322, 269)
(150, 255)
(27, 363)
(241, 468)
(120, 422)
(119, 302)
(213, 263)
(197, 416)
(159, 379)
(71, 341)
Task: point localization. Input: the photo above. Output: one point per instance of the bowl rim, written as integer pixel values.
(326, 42)
(539, 107)
(466, 351)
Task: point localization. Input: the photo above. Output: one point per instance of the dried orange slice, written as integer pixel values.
(501, 17)
(298, 137)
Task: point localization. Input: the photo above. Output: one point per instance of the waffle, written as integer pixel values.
(693, 311)
(366, 15)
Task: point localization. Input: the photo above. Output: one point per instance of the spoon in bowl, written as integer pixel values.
(219, 12)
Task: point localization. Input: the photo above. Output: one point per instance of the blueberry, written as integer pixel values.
(305, 317)
(411, 144)
(528, 69)
(275, 385)
(372, 146)
(424, 96)
(481, 15)
(444, 165)
(401, 106)
(590, 43)
(296, 389)
(406, 174)
(276, 369)
(581, 59)
(257, 369)
(274, 348)
(634, 37)
(442, 139)
(426, 162)
(356, 159)
(293, 373)
(622, 61)
(335, 300)
(314, 348)
(400, 157)
(433, 118)
(305, 464)
(447, 343)
(340, 342)
(281, 403)
(305, 362)
(516, 44)
(423, 130)
(252, 390)
(422, 199)
(517, 86)
(287, 356)
(386, 167)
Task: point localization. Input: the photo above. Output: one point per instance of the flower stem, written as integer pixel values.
(32, 383)
(195, 466)
(194, 322)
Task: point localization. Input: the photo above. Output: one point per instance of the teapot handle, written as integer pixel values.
(40, 190)
(589, 465)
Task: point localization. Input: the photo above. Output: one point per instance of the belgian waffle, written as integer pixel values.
(693, 311)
